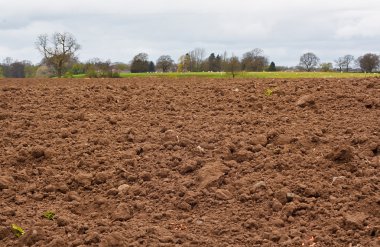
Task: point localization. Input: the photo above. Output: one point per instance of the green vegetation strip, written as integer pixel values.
(249, 75)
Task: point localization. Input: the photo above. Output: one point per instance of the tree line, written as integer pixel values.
(60, 60)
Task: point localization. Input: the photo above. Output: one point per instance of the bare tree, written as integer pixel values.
(344, 62)
(196, 56)
(340, 63)
(369, 62)
(58, 50)
(308, 61)
(224, 63)
(164, 63)
(348, 59)
(233, 65)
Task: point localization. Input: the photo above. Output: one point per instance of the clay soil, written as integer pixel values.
(190, 162)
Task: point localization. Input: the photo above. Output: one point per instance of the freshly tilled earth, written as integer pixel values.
(190, 162)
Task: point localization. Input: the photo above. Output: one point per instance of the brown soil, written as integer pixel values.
(190, 162)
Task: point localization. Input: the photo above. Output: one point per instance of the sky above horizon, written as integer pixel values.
(118, 30)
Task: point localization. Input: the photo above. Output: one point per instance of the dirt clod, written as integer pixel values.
(6, 182)
(305, 100)
(341, 154)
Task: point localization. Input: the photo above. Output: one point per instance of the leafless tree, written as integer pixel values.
(308, 61)
(369, 62)
(339, 63)
(344, 62)
(196, 56)
(348, 59)
(233, 65)
(225, 61)
(57, 50)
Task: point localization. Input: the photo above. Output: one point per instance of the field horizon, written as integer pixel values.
(258, 75)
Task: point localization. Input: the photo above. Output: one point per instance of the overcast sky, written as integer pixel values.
(119, 29)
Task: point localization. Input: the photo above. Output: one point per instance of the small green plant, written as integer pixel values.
(49, 215)
(268, 92)
(17, 230)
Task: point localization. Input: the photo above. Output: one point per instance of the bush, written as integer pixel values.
(68, 75)
(92, 74)
(115, 75)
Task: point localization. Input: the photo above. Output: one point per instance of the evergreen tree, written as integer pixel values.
(151, 67)
(218, 63)
(211, 62)
(272, 67)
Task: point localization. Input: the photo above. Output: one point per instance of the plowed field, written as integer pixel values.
(190, 162)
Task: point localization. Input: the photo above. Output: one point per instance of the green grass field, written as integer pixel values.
(250, 75)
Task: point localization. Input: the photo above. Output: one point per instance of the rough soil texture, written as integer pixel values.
(190, 162)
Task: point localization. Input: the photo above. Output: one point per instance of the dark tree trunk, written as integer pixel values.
(59, 69)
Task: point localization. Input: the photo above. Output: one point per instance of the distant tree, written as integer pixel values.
(77, 68)
(214, 63)
(369, 62)
(140, 63)
(233, 65)
(151, 67)
(254, 60)
(6, 66)
(119, 66)
(164, 63)
(326, 67)
(174, 67)
(348, 59)
(339, 63)
(308, 61)
(30, 69)
(16, 69)
(188, 64)
(180, 66)
(58, 50)
(211, 62)
(196, 59)
(184, 63)
(344, 62)
(272, 67)
(97, 68)
(224, 61)
(104, 68)
(218, 63)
